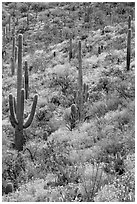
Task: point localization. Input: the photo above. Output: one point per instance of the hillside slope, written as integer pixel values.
(97, 155)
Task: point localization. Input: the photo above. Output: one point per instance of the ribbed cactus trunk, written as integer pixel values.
(70, 49)
(19, 138)
(26, 81)
(9, 22)
(13, 57)
(6, 31)
(16, 52)
(27, 18)
(17, 109)
(129, 44)
(80, 84)
(4, 36)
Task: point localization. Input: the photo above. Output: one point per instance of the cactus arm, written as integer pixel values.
(30, 118)
(13, 119)
(15, 105)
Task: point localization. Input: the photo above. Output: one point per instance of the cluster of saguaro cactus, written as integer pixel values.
(17, 108)
(129, 43)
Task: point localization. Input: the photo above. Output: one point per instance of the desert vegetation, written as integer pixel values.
(68, 102)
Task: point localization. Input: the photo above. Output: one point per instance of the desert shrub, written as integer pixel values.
(114, 103)
(13, 168)
(53, 158)
(113, 151)
(122, 119)
(71, 117)
(98, 109)
(92, 179)
(94, 96)
(62, 76)
(55, 100)
(125, 89)
(104, 196)
(5, 105)
(43, 114)
(115, 72)
(125, 186)
(38, 60)
(23, 7)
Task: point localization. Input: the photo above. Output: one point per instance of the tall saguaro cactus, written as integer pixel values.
(129, 44)
(4, 36)
(9, 23)
(17, 108)
(13, 57)
(70, 48)
(26, 81)
(80, 83)
(16, 52)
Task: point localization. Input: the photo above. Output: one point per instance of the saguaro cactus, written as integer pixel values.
(9, 23)
(85, 93)
(129, 22)
(17, 109)
(70, 116)
(4, 36)
(129, 44)
(26, 81)
(16, 52)
(80, 83)
(70, 49)
(13, 57)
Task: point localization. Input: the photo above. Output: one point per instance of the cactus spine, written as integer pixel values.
(129, 44)
(17, 109)
(80, 84)
(26, 80)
